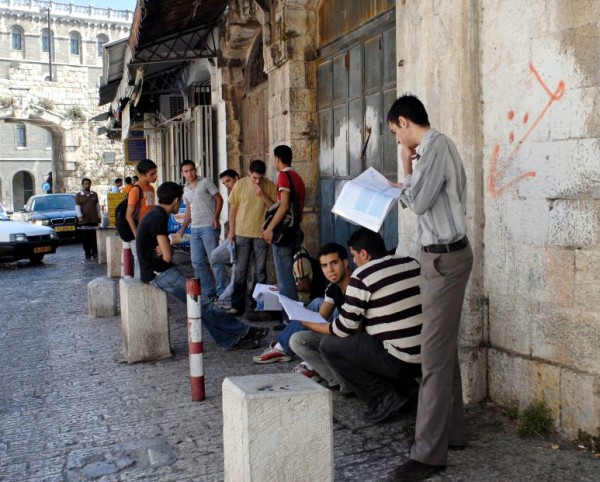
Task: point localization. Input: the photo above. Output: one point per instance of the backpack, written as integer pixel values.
(121, 224)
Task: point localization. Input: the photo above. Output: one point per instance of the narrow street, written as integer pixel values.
(71, 410)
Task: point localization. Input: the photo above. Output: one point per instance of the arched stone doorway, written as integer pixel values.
(22, 189)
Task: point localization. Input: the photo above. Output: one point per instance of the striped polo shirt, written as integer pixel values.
(384, 299)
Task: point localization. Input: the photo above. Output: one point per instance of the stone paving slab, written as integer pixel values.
(72, 410)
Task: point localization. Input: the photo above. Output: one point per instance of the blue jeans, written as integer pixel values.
(283, 258)
(295, 325)
(225, 329)
(244, 248)
(202, 242)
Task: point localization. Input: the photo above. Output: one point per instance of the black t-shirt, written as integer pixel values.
(335, 293)
(153, 224)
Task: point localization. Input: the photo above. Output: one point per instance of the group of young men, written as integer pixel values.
(392, 323)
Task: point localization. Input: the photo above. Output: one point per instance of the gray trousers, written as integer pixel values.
(440, 413)
(306, 344)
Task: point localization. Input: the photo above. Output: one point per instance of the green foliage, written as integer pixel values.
(588, 441)
(6, 102)
(536, 419)
(512, 411)
(76, 114)
(47, 104)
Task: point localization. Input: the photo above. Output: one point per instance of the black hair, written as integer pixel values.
(331, 248)
(128, 180)
(368, 240)
(118, 179)
(86, 179)
(145, 166)
(228, 173)
(186, 162)
(409, 106)
(258, 166)
(135, 178)
(284, 153)
(168, 191)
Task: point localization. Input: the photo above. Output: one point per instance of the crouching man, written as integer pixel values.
(376, 342)
(156, 254)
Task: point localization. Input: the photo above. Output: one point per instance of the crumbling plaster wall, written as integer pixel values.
(540, 91)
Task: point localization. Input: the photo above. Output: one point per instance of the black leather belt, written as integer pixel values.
(446, 248)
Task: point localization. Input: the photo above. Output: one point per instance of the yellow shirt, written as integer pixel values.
(251, 208)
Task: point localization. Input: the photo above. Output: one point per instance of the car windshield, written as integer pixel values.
(51, 203)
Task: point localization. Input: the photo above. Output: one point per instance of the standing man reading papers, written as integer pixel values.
(435, 189)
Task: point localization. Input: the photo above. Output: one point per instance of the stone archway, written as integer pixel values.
(22, 189)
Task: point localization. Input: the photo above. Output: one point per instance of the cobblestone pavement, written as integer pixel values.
(72, 410)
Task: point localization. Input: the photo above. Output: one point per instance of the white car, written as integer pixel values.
(20, 240)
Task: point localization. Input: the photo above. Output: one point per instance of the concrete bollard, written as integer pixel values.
(144, 321)
(277, 427)
(102, 298)
(101, 236)
(114, 252)
(127, 266)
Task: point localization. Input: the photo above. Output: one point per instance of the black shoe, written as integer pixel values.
(258, 316)
(390, 404)
(457, 448)
(413, 471)
(279, 327)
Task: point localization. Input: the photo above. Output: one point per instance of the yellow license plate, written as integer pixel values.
(42, 249)
(64, 228)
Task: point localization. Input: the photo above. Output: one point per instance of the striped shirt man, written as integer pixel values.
(383, 299)
(437, 191)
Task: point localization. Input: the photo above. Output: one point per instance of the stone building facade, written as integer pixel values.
(47, 124)
(513, 83)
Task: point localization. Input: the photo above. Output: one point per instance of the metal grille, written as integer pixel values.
(43, 237)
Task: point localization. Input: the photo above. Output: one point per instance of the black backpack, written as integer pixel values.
(121, 224)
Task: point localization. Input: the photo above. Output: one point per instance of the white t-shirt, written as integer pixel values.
(201, 201)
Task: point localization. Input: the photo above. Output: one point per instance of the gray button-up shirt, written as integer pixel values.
(437, 191)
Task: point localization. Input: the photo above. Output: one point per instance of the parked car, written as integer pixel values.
(19, 240)
(4, 214)
(54, 210)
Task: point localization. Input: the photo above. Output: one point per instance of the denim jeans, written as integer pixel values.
(295, 325)
(202, 242)
(283, 258)
(246, 247)
(225, 329)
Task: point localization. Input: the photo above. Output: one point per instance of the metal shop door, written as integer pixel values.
(356, 86)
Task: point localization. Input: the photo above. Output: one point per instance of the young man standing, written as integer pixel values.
(248, 201)
(288, 180)
(435, 189)
(87, 206)
(228, 178)
(140, 202)
(203, 205)
(377, 335)
(156, 256)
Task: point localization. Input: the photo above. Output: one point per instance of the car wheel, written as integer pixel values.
(36, 258)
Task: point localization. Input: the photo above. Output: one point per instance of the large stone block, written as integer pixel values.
(580, 401)
(587, 279)
(102, 234)
(102, 298)
(277, 427)
(521, 381)
(144, 321)
(568, 337)
(114, 253)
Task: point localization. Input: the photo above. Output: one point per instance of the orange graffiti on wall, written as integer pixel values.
(498, 167)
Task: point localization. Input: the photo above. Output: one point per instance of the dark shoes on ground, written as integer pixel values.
(390, 404)
(252, 339)
(413, 471)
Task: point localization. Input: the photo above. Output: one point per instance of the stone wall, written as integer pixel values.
(540, 92)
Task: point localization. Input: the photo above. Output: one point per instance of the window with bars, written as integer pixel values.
(100, 41)
(45, 41)
(21, 135)
(16, 37)
(74, 44)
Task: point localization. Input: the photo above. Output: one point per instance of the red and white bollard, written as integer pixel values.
(196, 348)
(127, 261)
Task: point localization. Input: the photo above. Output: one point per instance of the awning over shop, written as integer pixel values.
(108, 92)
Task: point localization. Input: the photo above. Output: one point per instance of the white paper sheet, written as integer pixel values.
(296, 311)
(366, 200)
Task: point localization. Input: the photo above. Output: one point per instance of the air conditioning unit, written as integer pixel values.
(171, 106)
